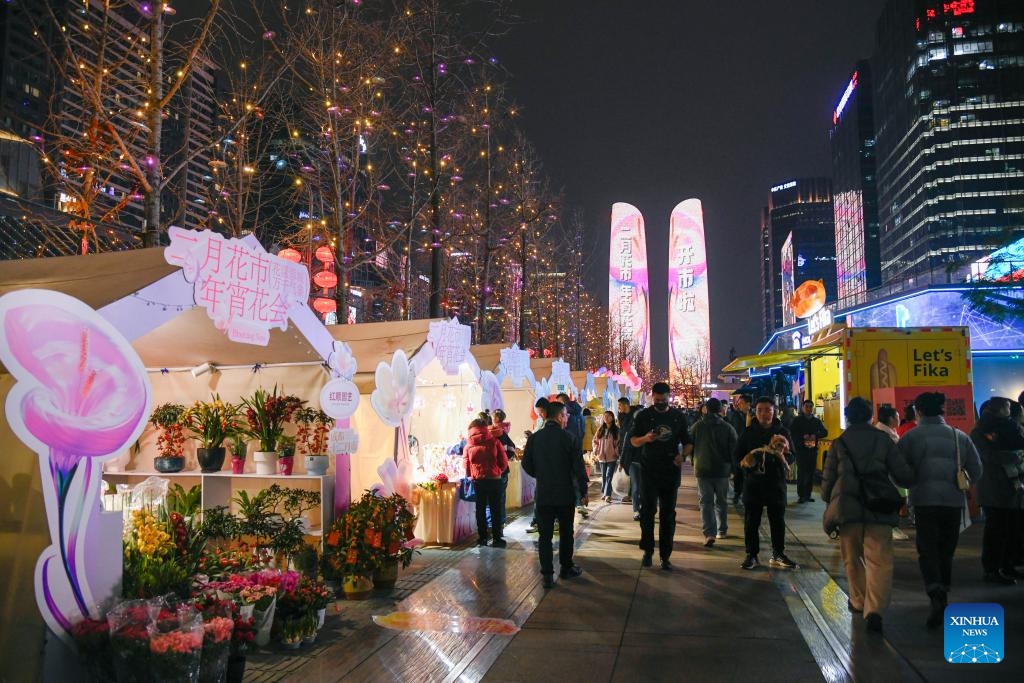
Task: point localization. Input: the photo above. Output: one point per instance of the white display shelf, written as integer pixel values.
(218, 487)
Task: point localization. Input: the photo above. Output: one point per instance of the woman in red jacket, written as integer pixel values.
(485, 460)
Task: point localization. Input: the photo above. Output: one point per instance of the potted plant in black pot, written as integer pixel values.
(170, 442)
(210, 422)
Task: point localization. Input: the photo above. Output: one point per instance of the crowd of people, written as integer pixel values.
(880, 468)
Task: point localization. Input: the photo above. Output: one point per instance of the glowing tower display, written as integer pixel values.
(689, 326)
(628, 291)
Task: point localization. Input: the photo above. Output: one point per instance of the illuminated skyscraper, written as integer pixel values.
(949, 101)
(801, 208)
(855, 196)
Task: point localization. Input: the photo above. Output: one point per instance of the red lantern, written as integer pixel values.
(325, 279)
(325, 255)
(290, 254)
(324, 305)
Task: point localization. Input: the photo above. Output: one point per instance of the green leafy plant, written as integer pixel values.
(185, 503)
(211, 421)
(266, 414)
(219, 523)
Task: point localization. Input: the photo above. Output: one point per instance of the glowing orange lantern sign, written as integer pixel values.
(325, 255)
(325, 279)
(290, 254)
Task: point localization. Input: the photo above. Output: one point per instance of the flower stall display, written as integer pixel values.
(175, 645)
(218, 623)
(170, 441)
(266, 414)
(211, 422)
(157, 555)
(129, 638)
(374, 533)
(314, 425)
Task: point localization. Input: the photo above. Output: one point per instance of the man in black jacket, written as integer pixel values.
(660, 433)
(738, 417)
(552, 457)
(627, 455)
(764, 483)
(806, 429)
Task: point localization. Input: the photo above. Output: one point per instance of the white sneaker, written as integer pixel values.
(899, 535)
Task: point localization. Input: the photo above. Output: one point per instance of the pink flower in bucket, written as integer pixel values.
(81, 396)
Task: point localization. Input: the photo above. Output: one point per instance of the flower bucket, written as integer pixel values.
(236, 669)
(263, 621)
(246, 611)
(317, 465)
(320, 615)
(211, 459)
(266, 462)
(237, 465)
(387, 576)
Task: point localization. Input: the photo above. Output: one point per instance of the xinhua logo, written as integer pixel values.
(974, 633)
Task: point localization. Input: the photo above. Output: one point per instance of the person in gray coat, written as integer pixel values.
(933, 448)
(865, 536)
(714, 440)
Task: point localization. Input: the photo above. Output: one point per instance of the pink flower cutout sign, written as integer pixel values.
(245, 290)
(81, 397)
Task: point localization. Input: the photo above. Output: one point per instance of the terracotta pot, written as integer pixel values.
(211, 459)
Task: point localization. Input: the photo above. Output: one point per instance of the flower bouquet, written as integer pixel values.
(155, 562)
(218, 624)
(129, 639)
(92, 638)
(175, 653)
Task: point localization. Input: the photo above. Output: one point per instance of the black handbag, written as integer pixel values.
(877, 494)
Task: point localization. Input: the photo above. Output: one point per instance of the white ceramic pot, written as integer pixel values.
(266, 462)
(317, 464)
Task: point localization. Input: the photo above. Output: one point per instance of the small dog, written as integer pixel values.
(777, 448)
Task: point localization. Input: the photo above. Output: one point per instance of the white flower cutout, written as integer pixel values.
(396, 390)
(342, 361)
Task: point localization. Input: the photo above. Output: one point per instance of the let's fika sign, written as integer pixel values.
(974, 633)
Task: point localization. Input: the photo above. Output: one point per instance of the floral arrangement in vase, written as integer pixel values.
(266, 414)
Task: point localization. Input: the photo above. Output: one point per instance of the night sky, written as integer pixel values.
(652, 102)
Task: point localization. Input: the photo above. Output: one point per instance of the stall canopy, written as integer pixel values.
(769, 360)
(190, 338)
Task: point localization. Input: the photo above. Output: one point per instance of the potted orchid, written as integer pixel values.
(313, 427)
(210, 422)
(170, 442)
(266, 414)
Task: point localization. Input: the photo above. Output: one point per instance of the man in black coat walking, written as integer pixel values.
(806, 430)
(764, 482)
(553, 458)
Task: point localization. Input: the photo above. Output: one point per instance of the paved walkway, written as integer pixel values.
(706, 621)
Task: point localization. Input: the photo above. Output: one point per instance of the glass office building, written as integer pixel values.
(949, 115)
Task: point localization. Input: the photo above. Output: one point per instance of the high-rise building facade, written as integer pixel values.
(766, 275)
(854, 193)
(949, 106)
(800, 211)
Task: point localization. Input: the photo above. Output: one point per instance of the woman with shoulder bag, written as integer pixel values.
(940, 456)
(606, 452)
(862, 508)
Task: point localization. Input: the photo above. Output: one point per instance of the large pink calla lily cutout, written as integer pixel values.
(82, 396)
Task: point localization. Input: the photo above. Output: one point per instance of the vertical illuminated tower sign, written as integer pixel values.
(689, 327)
(628, 300)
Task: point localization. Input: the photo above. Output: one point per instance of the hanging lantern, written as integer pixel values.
(325, 255)
(324, 305)
(290, 254)
(325, 279)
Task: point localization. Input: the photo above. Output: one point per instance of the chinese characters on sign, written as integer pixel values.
(339, 398)
(245, 290)
(628, 301)
(516, 363)
(689, 326)
(451, 341)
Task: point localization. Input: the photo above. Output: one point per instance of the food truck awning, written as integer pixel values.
(770, 360)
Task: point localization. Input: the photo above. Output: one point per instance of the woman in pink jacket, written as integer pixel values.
(606, 452)
(485, 460)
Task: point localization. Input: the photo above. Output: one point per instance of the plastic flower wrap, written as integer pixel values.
(92, 638)
(81, 396)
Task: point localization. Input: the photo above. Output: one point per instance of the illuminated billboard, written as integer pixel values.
(628, 291)
(786, 263)
(1002, 265)
(689, 327)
